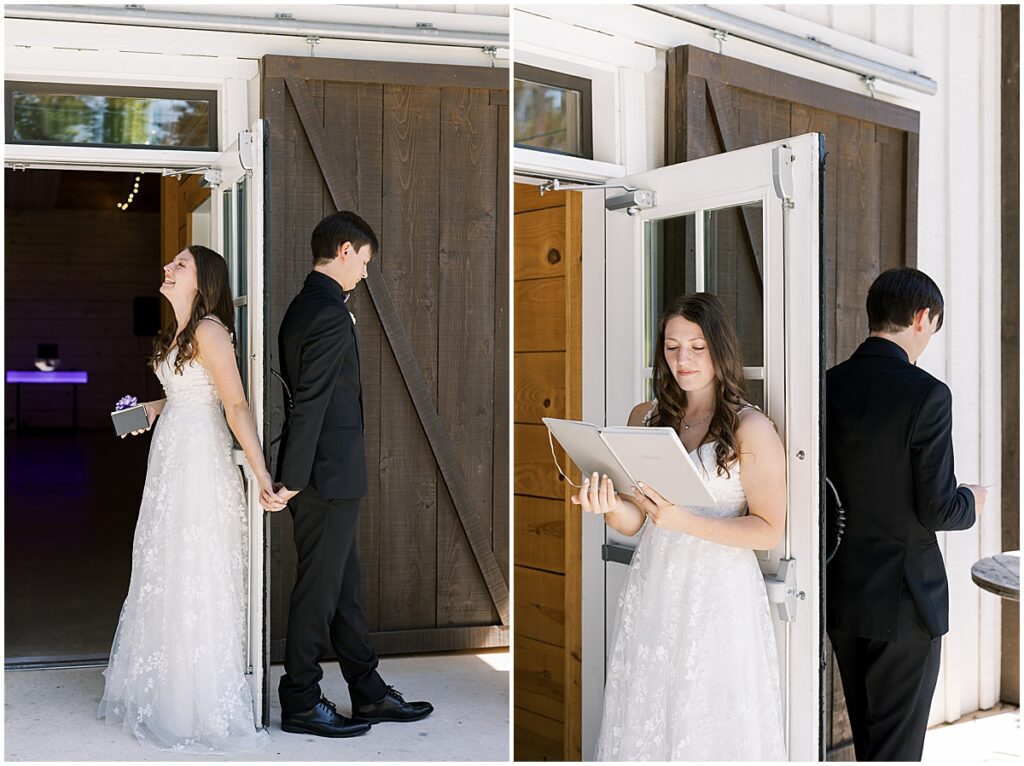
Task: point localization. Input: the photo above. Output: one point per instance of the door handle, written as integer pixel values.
(620, 554)
(782, 590)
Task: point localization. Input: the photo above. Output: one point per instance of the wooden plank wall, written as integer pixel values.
(70, 277)
(548, 368)
(427, 164)
(870, 198)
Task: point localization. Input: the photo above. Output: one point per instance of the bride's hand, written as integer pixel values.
(660, 511)
(269, 499)
(597, 495)
(150, 417)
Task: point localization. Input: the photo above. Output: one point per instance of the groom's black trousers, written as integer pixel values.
(888, 686)
(327, 605)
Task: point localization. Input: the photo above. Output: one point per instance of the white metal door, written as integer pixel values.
(237, 205)
(660, 235)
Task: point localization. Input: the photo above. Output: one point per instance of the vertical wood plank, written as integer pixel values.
(358, 149)
(892, 197)
(408, 478)
(910, 223)
(500, 509)
(297, 208)
(466, 340)
(857, 253)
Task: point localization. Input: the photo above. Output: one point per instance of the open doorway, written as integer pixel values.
(83, 256)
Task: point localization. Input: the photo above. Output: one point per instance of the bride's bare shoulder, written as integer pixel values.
(638, 413)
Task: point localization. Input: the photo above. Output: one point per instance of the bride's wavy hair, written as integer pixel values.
(213, 297)
(706, 311)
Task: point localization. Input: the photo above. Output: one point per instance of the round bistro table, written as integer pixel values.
(999, 574)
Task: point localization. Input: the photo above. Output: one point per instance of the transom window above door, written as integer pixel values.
(56, 114)
(553, 112)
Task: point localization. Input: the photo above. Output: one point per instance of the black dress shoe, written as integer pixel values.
(392, 708)
(323, 720)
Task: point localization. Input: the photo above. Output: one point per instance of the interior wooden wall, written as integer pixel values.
(73, 263)
(548, 383)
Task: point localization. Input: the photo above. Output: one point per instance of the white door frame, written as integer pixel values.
(621, 327)
(227, 162)
(243, 161)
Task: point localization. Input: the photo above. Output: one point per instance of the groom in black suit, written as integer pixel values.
(322, 473)
(889, 453)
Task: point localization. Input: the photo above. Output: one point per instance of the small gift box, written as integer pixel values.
(129, 415)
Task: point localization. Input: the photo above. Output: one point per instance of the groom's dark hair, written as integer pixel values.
(337, 229)
(897, 294)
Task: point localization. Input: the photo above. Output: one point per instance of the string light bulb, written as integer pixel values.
(122, 206)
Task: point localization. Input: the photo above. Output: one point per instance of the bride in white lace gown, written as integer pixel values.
(176, 676)
(693, 673)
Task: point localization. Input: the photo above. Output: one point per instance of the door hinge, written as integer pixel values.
(782, 590)
(246, 154)
(782, 174)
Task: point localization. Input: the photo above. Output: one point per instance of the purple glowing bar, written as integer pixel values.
(36, 376)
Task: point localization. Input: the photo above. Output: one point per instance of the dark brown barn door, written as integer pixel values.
(716, 104)
(420, 152)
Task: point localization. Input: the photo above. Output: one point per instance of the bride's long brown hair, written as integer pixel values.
(213, 297)
(707, 311)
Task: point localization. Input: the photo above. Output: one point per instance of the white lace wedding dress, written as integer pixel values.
(693, 673)
(176, 677)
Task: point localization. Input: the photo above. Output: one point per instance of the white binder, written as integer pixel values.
(654, 456)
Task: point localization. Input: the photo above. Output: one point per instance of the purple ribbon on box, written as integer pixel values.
(126, 402)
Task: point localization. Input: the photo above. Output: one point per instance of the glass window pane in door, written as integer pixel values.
(242, 345)
(733, 258)
(755, 392)
(228, 245)
(670, 271)
(242, 218)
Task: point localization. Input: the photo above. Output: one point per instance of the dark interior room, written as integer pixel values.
(82, 273)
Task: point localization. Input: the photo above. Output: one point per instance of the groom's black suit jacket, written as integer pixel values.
(323, 442)
(889, 453)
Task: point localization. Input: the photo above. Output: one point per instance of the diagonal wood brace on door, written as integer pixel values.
(440, 443)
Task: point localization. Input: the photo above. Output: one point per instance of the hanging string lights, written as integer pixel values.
(122, 206)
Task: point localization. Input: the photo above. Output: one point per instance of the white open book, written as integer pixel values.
(654, 456)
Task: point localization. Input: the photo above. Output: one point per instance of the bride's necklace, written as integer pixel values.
(688, 426)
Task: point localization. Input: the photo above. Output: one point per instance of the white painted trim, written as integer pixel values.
(548, 165)
(104, 158)
(595, 319)
(578, 43)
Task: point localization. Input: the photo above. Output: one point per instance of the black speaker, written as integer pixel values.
(146, 315)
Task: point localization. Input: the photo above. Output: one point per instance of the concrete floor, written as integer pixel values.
(988, 736)
(50, 716)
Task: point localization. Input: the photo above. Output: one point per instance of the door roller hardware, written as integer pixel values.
(245, 150)
(782, 590)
